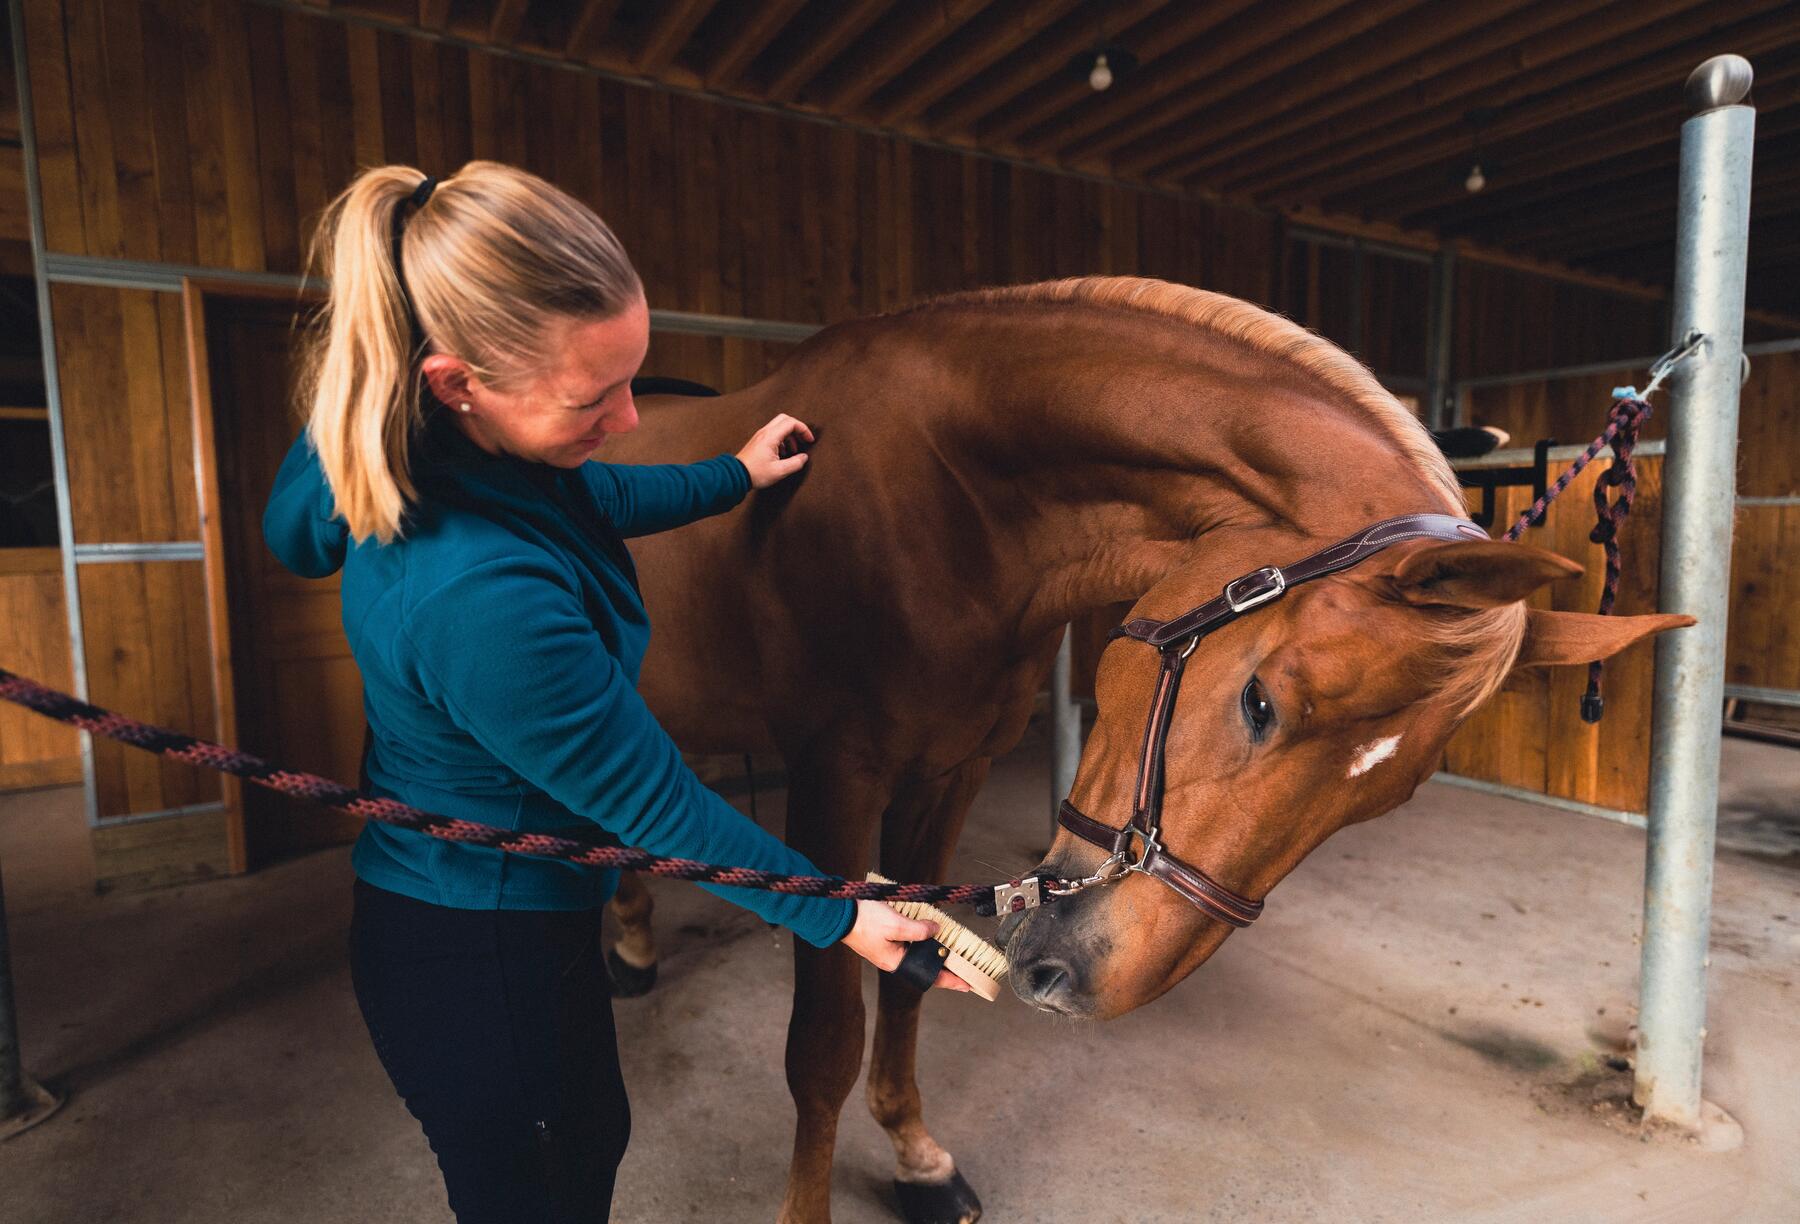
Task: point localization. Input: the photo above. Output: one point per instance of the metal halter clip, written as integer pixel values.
(1274, 583)
(1018, 895)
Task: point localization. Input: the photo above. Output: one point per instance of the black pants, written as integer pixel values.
(496, 1028)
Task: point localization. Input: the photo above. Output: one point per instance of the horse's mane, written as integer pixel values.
(1479, 647)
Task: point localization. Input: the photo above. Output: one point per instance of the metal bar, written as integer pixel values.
(1768, 696)
(1711, 239)
(1631, 364)
(23, 1103)
(1437, 409)
(1523, 454)
(1614, 815)
(166, 278)
(59, 455)
(1065, 727)
(131, 818)
(1308, 233)
(172, 550)
(1792, 499)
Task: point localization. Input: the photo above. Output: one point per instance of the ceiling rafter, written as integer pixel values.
(1535, 100)
(1063, 100)
(994, 34)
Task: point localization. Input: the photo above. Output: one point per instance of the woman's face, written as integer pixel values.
(563, 416)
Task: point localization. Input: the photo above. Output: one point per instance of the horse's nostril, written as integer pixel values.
(1047, 978)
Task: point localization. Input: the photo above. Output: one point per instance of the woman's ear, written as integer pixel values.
(448, 377)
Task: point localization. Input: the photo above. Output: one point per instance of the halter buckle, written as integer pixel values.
(1274, 583)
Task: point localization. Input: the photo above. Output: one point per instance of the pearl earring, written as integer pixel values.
(462, 407)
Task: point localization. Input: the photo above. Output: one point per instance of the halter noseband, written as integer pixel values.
(1175, 639)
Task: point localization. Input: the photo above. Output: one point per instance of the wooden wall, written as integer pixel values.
(212, 133)
(34, 641)
(1762, 644)
(1530, 735)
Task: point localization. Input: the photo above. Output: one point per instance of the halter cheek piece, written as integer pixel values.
(1174, 640)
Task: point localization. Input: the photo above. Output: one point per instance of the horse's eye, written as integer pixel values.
(1258, 711)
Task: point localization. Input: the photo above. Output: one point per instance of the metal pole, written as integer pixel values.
(1436, 410)
(1699, 474)
(1065, 727)
(23, 1103)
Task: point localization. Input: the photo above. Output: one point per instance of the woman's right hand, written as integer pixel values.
(881, 933)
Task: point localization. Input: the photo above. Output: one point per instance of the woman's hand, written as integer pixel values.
(773, 452)
(880, 932)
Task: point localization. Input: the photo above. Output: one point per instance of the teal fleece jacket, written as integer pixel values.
(499, 640)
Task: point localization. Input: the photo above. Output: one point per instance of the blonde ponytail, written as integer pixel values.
(490, 260)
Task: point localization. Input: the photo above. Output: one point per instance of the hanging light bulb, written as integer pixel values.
(1101, 77)
(1476, 180)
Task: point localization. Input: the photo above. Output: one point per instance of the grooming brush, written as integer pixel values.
(956, 948)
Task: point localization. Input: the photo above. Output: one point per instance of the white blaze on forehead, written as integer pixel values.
(1372, 754)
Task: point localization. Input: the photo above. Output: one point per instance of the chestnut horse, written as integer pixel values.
(987, 467)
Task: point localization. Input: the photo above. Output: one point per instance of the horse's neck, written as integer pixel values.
(1132, 462)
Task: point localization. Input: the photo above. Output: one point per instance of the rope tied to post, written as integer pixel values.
(1631, 408)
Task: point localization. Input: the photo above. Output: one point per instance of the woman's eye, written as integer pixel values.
(1258, 711)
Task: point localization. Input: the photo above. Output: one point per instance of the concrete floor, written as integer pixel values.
(1415, 1031)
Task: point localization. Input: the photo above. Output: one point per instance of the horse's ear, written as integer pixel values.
(1553, 638)
(1476, 573)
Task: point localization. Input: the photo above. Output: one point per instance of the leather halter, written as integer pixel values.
(1175, 639)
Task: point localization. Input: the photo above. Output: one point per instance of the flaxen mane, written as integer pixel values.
(1476, 649)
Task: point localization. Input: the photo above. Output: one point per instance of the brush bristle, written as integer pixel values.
(982, 965)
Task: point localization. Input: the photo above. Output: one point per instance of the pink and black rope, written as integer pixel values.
(1628, 415)
(194, 751)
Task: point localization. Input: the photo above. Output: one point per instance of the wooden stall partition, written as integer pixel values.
(34, 641)
(1762, 645)
(289, 689)
(1530, 735)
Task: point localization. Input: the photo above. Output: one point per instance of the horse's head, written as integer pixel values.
(1319, 709)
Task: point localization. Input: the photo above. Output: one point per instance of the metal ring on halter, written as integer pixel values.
(1276, 583)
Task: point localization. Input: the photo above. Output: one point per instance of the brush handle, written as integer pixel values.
(923, 961)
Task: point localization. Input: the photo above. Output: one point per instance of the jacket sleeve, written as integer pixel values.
(299, 522)
(644, 498)
(507, 651)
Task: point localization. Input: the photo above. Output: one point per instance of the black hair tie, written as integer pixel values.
(416, 200)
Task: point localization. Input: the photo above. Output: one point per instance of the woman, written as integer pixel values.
(476, 350)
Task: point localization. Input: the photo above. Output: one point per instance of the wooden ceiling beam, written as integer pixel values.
(674, 24)
(1169, 32)
(744, 44)
(1531, 163)
(508, 16)
(589, 29)
(887, 50)
(847, 20)
(1539, 63)
(1412, 143)
(1261, 47)
(1577, 230)
(1240, 127)
(1047, 55)
(986, 40)
(1656, 147)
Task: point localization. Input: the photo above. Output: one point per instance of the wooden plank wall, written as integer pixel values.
(1530, 735)
(34, 641)
(1762, 644)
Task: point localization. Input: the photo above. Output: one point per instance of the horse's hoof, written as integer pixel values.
(945, 1202)
(628, 981)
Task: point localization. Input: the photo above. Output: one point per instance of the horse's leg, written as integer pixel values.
(632, 958)
(832, 810)
(917, 835)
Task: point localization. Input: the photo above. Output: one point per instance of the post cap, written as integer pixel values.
(1723, 80)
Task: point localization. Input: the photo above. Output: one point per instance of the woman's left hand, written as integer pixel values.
(773, 452)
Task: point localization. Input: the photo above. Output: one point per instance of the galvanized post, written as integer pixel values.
(1699, 491)
(1065, 727)
(23, 1104)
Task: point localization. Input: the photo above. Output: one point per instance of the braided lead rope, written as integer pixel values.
(193, 751)
(1629, 412)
